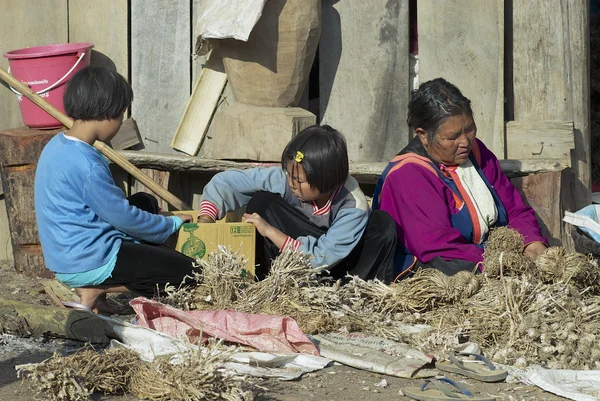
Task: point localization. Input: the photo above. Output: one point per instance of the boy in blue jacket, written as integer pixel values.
(94, 238)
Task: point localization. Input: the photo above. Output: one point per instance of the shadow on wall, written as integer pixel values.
(330, 48)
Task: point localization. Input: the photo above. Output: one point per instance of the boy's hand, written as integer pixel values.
(187, 218)
(204, 218)
(261, 224)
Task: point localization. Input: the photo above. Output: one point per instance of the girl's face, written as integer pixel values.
(298, 184)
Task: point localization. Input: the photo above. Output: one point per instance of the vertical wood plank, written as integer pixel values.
(160, 68)
(199, 61)
(5, 245)
(26, 23)
(551, 73)
(363, 69)
(543, 193)
(462, 41)
(94, 22)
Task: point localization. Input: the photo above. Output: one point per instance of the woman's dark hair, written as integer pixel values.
(97, 93)
(434, 102)
(325, 157)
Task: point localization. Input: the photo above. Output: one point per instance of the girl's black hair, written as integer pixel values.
(434, 102)
(325, 157)
(97, 93)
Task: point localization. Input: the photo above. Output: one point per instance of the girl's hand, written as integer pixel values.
(261, 224)
(204, 218)
(535, 249)
(187, 218)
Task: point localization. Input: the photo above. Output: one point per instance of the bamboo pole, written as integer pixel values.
(102, 147)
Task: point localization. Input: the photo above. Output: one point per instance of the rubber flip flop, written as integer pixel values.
(442, 392)
(485, 372)
(75, 305)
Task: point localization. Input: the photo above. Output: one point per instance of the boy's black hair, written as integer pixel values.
(325, 157)
(97, 93)
(433, 103)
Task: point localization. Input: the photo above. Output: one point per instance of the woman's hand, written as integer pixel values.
(261, 224)
(187, 218)
(535, 249)
(204, 218)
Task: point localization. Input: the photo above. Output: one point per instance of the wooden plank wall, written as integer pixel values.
(25, 23)
(551, 81)
(364, 73)
(551, 73)
(94, 22)
(463, 42)
(160, 68)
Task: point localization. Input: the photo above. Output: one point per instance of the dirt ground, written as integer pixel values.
(335, 382)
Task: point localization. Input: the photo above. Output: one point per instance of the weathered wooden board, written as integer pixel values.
(26, 23)
(6, 253)
(540, 140)
(200, 107)
(551, 72)
(161, 177)
(364, 172)
(160, 68)
(543, 193)
(19, 152)
(106, 27)
(364, 74)
(463, 42)
(197, 61)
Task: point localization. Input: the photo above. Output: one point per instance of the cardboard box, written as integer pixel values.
(199, 240)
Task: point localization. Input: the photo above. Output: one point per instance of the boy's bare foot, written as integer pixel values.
(95, 298)
(102, 307)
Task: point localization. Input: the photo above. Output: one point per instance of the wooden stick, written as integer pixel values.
(102, 147)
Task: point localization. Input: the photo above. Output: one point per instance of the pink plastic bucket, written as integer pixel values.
(46, 69)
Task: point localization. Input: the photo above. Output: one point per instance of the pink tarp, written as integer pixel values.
(266, 333)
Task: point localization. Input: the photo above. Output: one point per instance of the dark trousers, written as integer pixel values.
(373, 256)
(145, 269)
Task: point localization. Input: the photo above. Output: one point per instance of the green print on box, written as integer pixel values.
(193, 247)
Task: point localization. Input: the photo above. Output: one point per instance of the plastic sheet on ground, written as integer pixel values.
(267, 333)
(221, 19)
(149, 344)
(374, 354)
(283, 367)
(578, 385)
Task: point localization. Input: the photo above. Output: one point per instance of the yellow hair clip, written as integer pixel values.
(299, 157)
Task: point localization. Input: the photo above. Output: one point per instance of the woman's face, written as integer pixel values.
(453, 141)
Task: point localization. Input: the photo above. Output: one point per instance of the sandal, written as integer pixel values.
(442, 392)
(486, 373)
(78, 306)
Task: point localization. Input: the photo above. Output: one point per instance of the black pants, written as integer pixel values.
(145, 269)
(373, 256)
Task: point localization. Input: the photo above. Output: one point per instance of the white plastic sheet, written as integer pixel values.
(577, 385)
(150, 344)
(587, 219)
(222, 19)
(374, 354)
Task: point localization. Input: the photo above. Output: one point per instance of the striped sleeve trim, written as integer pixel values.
(291, 243)
(209, 209)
